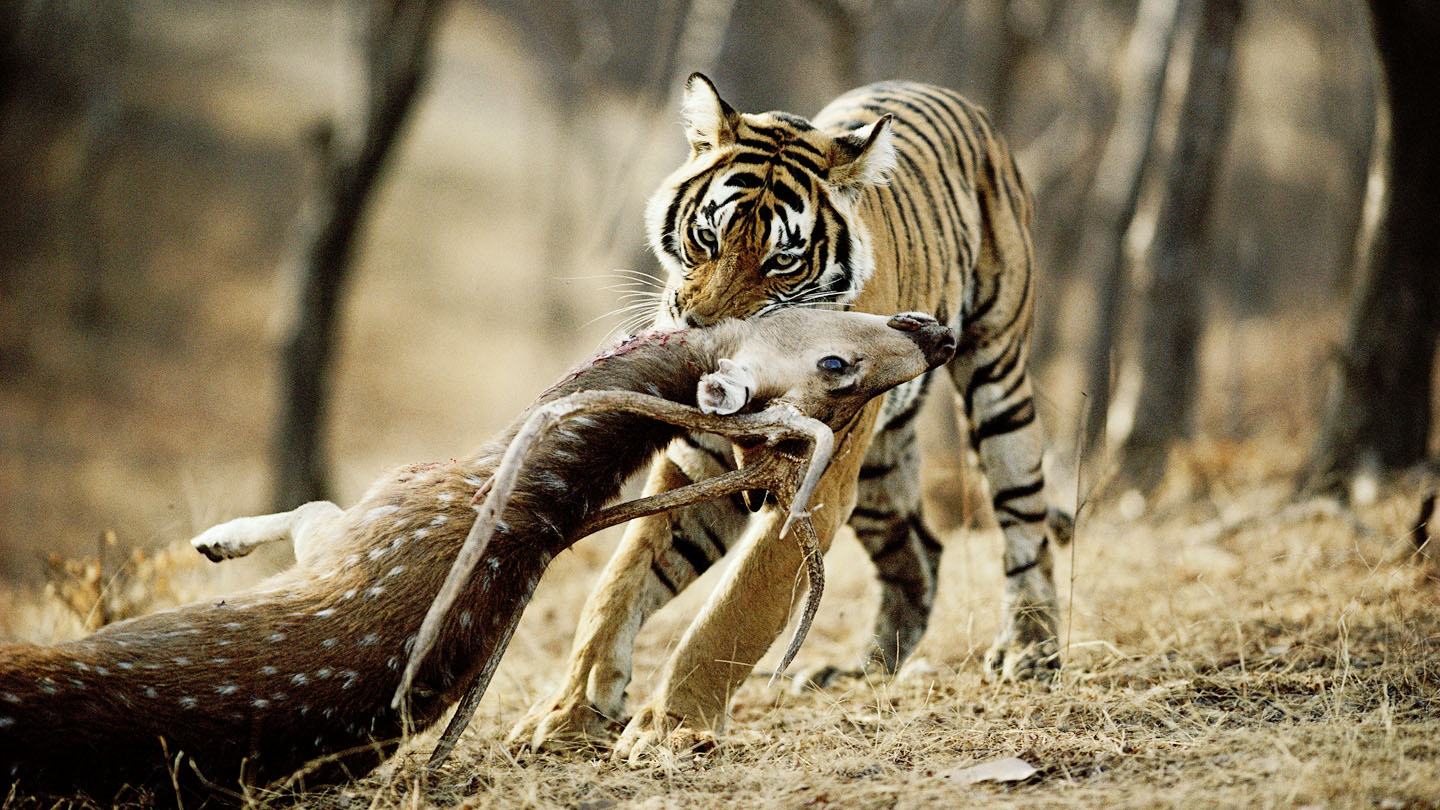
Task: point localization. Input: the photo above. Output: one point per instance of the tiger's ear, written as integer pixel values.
(727, 389)
(709, 122)
(863, 157)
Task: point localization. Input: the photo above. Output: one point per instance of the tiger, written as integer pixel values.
(896, 196)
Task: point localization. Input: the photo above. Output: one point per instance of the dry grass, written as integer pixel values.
(1288, 664)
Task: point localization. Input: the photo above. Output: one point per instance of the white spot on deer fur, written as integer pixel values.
(275, 638)
(300, 679)
(151, 693)
(445, 497)
(396, 571)
(465, 618)
(10, 697)
(269, 670)
(180, 661)
(375, 591)
(232, 625)
(329, 642)
(377, 513)
(327, 611)
(227, 688)
(259, 703)
(80, 665)
(323, 673)
(279, 697)
(350, 594)
(370, 640)
(219, 662)
(420, 534)
(49, 686)
(439, 520)
(6, 722)
(305, 710)
(76, 682)
(352, 560)
(393, 662)
(377, 553)
(125, 665)
(188, 702)
(351, 678)
(101, 671)
(223, 642)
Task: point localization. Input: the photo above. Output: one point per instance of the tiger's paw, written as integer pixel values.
(567, 723)
(1011, 659)
(654, 735)
(823, 676)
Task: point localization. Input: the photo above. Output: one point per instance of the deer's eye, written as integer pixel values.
(833, 364)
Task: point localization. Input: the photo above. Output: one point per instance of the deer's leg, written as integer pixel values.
(1006, 433)
(659, 556)
(240, 536)
(742, 617)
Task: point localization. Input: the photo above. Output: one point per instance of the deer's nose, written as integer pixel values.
(936, 341)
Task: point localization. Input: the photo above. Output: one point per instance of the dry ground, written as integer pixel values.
(1280, 666)
(1212, 661)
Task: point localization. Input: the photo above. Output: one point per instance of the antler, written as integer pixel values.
(776, 472)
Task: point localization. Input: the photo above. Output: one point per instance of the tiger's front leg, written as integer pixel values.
(1008, 436)
(742, 617)
(659, 556)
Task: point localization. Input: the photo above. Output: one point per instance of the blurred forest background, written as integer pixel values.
(160, 161)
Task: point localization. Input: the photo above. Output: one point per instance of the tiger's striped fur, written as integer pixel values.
(896, 196)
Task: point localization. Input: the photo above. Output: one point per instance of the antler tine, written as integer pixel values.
(814, 589)
(773, 424)
(779, 421)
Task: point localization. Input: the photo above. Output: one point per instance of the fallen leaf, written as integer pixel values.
(1008, 769)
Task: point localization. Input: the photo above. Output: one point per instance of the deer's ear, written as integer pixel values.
(727, 389)
(709, 122)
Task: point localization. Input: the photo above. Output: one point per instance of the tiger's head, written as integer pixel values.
(763, 213)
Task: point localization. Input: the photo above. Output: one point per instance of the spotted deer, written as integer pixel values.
(297, 675)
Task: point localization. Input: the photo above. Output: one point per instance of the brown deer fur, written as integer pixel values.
(300, 670)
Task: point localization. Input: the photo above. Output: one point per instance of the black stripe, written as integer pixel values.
(1015, 493)
(1023, 567)
(725, 462)
(927, 540)
(1017, 516)
(664, 580)
(897, 542)
(877, 515)
(1009, 420)
(692, 553)
(870, 472)
(787, 195)
(713, 537)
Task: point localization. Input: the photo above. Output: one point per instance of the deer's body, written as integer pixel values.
(254, 686)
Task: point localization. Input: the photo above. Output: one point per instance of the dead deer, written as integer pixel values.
(299, 675)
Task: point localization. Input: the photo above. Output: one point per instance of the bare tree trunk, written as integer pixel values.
(1377, 413)
(1170, 317)
(396, 48)
(1115, 195)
